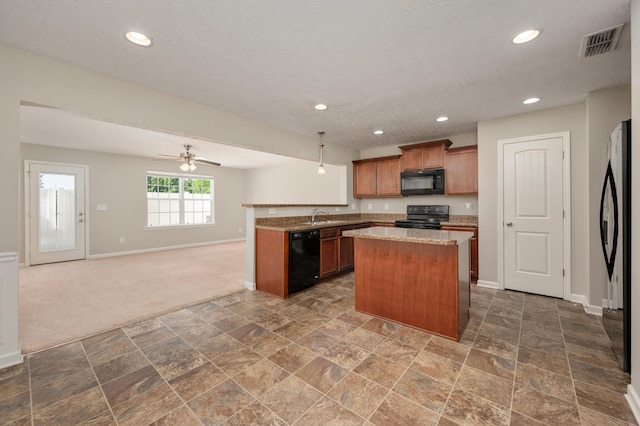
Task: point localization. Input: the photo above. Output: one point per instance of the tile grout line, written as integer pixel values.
(84, 351)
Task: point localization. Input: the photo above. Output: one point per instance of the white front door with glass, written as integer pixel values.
(56, 212)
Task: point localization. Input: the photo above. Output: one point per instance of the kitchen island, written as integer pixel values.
(417, 277)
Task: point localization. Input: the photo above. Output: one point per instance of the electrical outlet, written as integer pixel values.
(353, 206)
(239, 229)
(386, 206)
(369, 206)
(272, 211)
(468, 206)
(122, 240)
(337, 209)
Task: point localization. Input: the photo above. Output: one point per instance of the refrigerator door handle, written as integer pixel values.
(610, 260)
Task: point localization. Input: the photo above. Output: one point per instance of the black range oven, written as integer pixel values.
(424, 217)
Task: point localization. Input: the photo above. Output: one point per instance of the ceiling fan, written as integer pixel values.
(188, 159)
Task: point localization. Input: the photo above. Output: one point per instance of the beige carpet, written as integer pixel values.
(61, 302)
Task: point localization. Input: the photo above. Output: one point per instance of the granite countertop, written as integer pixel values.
(465, 224)
(286, 227)
(421, 236)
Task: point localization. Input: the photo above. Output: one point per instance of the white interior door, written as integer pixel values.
(57, 219)
(533, 234)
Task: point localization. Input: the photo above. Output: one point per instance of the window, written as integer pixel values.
(176, 200)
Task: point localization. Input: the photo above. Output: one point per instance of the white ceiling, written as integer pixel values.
(394, 65)
(60, 128)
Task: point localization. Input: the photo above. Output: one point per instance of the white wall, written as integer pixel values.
(571, 118)
(25, 77)
(120, 182)
(297, 182)
(635, 209)
(590, 124)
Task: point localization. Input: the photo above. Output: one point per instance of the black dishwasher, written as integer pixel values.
(304, 259)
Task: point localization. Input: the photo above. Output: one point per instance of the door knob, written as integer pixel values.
(509, 223)
(81, 220)
(80, 214)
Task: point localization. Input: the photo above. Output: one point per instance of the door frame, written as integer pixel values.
(27, 205)
(566, 201)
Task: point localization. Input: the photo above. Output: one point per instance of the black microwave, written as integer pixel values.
(423, 182)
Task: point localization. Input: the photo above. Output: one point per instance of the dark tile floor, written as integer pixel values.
(249, 358)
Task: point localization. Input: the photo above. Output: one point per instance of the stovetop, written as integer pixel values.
(424, 216)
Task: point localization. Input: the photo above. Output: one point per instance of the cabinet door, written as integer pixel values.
(411, 160)
(328, 256)
(462, 170)
(346, 253)
(432, 157)
(364, 180)
(388, 178)
(272, 262)
(473, 248)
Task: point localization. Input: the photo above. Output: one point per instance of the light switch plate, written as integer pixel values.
(101, 207)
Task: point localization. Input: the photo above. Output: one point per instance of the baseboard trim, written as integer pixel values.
(488, 284)
(634, 401)
(250, 286)
(10, 359)
(593, 310)
(151, 250)
(589, 309)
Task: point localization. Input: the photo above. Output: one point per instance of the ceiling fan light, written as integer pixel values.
(321, 170)
(192, 167)
(184, 167)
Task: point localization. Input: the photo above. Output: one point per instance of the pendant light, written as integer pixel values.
(321, 169)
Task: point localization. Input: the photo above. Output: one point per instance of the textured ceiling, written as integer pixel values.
(394, 65)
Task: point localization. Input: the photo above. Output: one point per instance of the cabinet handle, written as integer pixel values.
(509, 223)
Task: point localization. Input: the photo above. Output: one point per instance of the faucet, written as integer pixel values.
(316, 212)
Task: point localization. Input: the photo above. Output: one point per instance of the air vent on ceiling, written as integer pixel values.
(600, 42)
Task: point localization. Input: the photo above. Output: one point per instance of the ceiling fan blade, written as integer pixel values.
(171, 157)
(204, 160)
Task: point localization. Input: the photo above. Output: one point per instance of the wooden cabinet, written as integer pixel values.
(388, 178)
(385, 224)
(272, 262)
(424, 155)
(364, 179)
(346, 246)
(461, 170)
(376, 177)
(329, 251)
(346, 251)
(473, 247)
(272, 257)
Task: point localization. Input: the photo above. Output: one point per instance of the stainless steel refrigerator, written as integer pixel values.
(615, 235)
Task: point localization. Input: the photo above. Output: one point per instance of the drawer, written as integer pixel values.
(329, 233)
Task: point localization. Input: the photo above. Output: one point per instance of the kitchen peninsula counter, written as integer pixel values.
(417, 277)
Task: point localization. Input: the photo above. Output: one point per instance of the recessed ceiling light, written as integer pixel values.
(321, 107)
(138, 38)
(441, 119)
(525, 36)
(530, 101)
(378, 132)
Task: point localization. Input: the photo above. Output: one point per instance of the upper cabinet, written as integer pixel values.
(425, 155)
(461, 170)
(377, 177)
